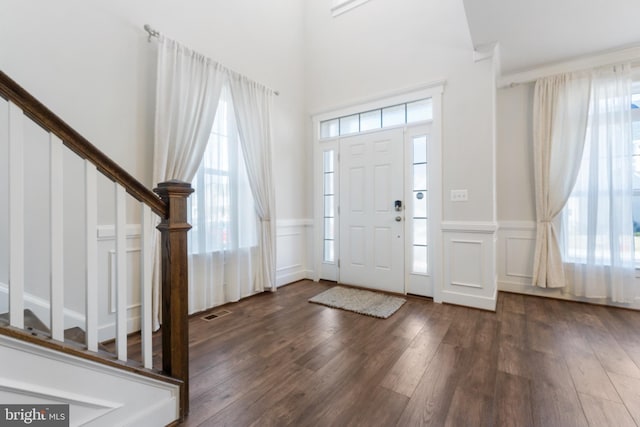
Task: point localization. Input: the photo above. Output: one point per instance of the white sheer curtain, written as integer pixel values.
(559, 126)
(223, 255)
(597, 222)
(231, 245)
(253, 114)
(187, 93)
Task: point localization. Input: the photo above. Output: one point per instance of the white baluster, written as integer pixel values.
(121, 272)
(57, 248)
(16, 216)
(146, 259)
(91, 215)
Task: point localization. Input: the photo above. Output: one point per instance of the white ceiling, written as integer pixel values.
(532, 33)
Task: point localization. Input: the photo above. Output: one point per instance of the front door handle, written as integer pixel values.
(398, 218)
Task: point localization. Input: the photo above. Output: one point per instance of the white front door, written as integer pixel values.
(371, 227)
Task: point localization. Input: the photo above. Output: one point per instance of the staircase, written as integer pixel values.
(55, 356)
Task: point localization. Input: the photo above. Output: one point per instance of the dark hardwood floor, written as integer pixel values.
(278, 360)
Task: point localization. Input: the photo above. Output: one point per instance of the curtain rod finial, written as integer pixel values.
(151, 31)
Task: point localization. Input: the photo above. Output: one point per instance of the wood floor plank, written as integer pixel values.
(380, 407)
(406, 373)
(470, 409)
(461, 331)
(429, 405)
(512, 404)
(414, 321)
(537, 309)
(589, 377)
(543, 337)
(629, 390)
(206, 380)
(612, 356)
(513, 329)
(552, 406)
(605, 413)
(342, 398)
(514, 360)
(513, 303)
(256, 406)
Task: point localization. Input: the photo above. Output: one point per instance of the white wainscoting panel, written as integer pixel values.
(469, 276)
(294, 252)
(106, 279)
(516, 247)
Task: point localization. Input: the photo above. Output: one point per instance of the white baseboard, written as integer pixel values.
(40, 308)
(108, 331)
(475, 301)
(294, 276)
(557, 293)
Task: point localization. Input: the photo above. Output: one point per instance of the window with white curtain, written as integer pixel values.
(221, 210)
(597, 231)
(635, 117)
(598, 212)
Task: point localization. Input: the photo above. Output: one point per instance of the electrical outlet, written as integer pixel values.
(459, 195)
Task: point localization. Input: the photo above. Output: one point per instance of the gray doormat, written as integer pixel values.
(373, 304)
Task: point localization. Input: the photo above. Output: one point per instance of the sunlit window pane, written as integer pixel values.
(420, 149)
(349, 124)
(328, 228)
(329, 128)
(370, 120)
(419, 231)
(420, 259)
(392, 116)
(328, 183)
(328, 161)
(419, 110)
(329, 209)
(420, 177)
(329, 253)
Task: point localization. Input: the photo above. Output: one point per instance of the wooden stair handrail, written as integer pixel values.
(170, 203)
(39, 113)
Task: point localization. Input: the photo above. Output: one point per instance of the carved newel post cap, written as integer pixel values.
(173, 186)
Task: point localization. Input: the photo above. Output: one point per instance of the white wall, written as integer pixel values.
(515, 189)
(384, 46)
(91, 64)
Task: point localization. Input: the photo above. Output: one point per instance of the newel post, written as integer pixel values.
(175, 328)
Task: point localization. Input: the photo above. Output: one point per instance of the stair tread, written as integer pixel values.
(33, 323)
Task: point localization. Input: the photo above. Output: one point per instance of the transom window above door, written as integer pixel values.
(386, 117)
